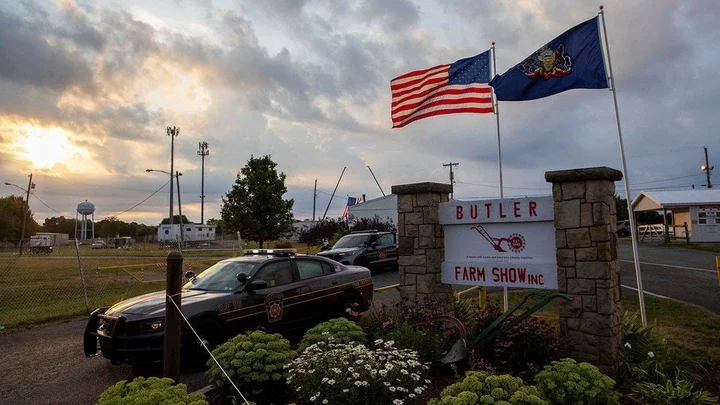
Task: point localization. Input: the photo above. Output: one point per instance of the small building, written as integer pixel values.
(56, 239)
(385, 208)
(700, 209)
(191, 233)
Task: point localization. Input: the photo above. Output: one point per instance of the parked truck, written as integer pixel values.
(41, 244)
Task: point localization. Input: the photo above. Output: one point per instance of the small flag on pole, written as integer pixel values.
(350, 202)
(460, 87)
(574, 60)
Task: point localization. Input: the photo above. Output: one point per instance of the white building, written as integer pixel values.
(385, 208)
(700, 209)
(191, 232)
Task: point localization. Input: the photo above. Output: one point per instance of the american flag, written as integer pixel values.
(460, 87)
(351, 201)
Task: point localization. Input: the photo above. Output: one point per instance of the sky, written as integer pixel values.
(88, 88)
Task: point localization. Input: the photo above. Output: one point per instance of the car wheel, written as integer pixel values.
(347, 303)
(211, 332)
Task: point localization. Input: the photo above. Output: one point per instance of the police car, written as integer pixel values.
(273, 289)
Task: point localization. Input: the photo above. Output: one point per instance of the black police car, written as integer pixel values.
(272, 289)
(369, 248)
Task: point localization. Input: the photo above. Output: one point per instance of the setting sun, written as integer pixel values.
(46, 146)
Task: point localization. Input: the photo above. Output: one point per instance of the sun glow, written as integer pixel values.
(46, 146)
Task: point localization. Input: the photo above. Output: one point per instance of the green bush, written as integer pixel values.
(567, 382)
(151, 391)
(682, 392)
(341, 330)
(427, 341)
(254, 361)
(479, 387)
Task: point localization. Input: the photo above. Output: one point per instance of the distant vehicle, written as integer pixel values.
(266, 288)
(372, 249)
(623, 228)
(98, 244)
(41, 244)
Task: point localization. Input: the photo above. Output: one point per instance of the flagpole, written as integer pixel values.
(496, 105)
(633, 230)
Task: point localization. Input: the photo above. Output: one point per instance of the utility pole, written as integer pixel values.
(202, 151)
(314, 199)
(172, 132)
(25, 214)
(182, 232)
(452, 175)
(707, 168)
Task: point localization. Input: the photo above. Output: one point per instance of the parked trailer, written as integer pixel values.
(41, 244)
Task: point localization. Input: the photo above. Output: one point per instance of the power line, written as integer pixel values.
(668, 179)
(43, 203)
(147, 198)
(495, 186)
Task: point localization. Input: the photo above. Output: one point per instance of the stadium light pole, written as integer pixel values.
(202, 151)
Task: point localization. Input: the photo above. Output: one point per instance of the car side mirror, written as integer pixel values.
(189, 275)
(242, 278)
(258, 284)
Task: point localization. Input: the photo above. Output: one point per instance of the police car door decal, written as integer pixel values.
(274, 307)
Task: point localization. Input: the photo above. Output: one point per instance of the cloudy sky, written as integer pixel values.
(87, 89)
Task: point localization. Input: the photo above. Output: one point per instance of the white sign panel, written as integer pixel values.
(503, 243)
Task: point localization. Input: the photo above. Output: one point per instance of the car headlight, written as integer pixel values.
(152, 325)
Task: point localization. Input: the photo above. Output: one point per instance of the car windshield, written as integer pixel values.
(351, 241)
(220, 277)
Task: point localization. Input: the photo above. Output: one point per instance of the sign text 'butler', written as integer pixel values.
(504, 242)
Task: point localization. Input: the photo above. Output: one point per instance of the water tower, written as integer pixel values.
(85, 209)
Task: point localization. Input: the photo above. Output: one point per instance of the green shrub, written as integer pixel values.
(352, 374)
(479, 387)
(682, 392)
(151, 391)
(341, 330)
(283, 244)
(254, 361)
(567, 382)
(427, 341)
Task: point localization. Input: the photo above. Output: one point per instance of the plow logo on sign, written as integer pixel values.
(515, 242)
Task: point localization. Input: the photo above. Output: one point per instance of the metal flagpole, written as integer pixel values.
(506, 302)
(633, 230)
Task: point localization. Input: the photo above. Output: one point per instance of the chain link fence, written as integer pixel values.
(75, 280)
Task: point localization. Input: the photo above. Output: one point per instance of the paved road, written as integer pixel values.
(45, 365)
(685, 275)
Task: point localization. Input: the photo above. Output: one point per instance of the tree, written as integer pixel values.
(621, 208)
(255, 206)
(59, 225)
(219, 224)
(176, 220)
(12, 209)
(326, 228)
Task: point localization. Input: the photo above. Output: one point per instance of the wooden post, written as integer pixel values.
(173, 320)
(665, 226)
(687, 233)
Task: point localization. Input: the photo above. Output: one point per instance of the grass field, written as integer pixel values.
(40, 288)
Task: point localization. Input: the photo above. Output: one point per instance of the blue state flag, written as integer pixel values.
(574, 60)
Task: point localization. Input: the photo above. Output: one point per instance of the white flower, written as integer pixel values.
(628, 345)
(312, 398)
(418, 390)
(298, 389)
(324, 380)
(412, 395)
(346, 390)
(350, 369)
(325, 401)
(389, 366)
(651, 354)
(404, 371)
(415, 377)
(397, 401)
(358, 383)
(331, 382)
(392, 389)
(427, 381)
(383, 373)
(387, 384)
(356, 375)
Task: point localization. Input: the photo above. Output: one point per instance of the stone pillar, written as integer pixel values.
(421, 243)
(588, 270)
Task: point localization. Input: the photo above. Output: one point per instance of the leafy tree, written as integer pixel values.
(363, 224)
(12, 209)
(59, 225)
(176, 220)
(322, 229)
(255, 206)
(621, 208)
(220, 225)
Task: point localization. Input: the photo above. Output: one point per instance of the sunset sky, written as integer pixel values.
(87, 89)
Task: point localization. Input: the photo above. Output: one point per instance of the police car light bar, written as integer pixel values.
(273, 252)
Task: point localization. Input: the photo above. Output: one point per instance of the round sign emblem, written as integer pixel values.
(382, 255)
(517, 242)
(275, 310)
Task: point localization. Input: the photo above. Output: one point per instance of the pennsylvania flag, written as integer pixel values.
(574, 60)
